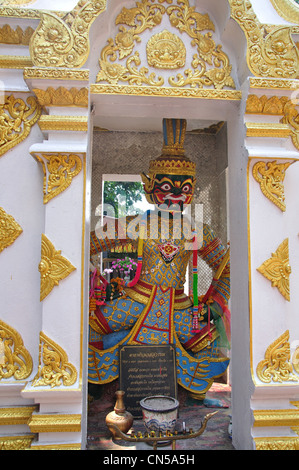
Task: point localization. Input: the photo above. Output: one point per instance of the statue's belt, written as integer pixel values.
(141, 292)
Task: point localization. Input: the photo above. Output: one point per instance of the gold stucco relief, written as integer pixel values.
(64, 42)
(8, 35)
(270, 176)
(9, 229)
(53, 267)
(62, 96)
(59, 171)
(276, 367)
(277, 269)
(210, 66)
(15, 360)
(16, 120)
(275, 105)
(54, 369)
(271, 50)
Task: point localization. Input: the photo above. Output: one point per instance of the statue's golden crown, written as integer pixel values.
(173, 160)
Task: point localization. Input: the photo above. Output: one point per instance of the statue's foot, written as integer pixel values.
(202, 399)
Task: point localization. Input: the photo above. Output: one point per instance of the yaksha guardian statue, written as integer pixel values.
(155, 309)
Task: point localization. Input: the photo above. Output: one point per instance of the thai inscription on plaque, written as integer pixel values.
(146, 371)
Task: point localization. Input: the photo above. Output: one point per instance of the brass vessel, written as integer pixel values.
(119, 416)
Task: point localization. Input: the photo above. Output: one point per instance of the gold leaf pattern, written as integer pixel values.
(270, 176)
(9, 229)
(277, 269)
(62, 96)
(54, 369)
(16, 120)
(209, 67)
(53, 267)
(64, 42)
(59, 171)
(15, 360)
(276, 366)
(271, 51)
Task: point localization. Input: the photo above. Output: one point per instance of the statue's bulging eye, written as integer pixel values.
(186, 188)
(165, 187)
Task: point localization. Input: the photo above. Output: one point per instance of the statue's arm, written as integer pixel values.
(213, 253)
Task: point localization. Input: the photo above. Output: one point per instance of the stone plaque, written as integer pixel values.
(146, 371)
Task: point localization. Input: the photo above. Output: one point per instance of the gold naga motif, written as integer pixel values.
(270, 176)
(16, 120)
(59, 171)
(54, 369)
(277, 269)
(15, 360)
(276, 366)
(271, 51)
(64, 42)
(9, 229)
(210, 65)
(53, 267)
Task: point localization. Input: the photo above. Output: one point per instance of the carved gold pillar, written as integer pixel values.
(273, 175)
(64, 246)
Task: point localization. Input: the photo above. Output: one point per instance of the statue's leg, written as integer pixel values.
(118, 315)
(109, 325)
(203, 345)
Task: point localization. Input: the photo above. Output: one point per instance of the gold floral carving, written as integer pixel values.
(15, 360)
(64, 42)
(271, 51)
(17, 36)
(53, 267)
(276, 366)
(270, 177)
(9, 229)
(62, 97)
(277, 269)
(16, 120)
(210, 66)
(54, 369)
(166, 51)
(59, 171)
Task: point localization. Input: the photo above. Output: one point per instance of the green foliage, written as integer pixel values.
(122, 196)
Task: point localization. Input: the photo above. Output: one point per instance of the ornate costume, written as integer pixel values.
(154, 308)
